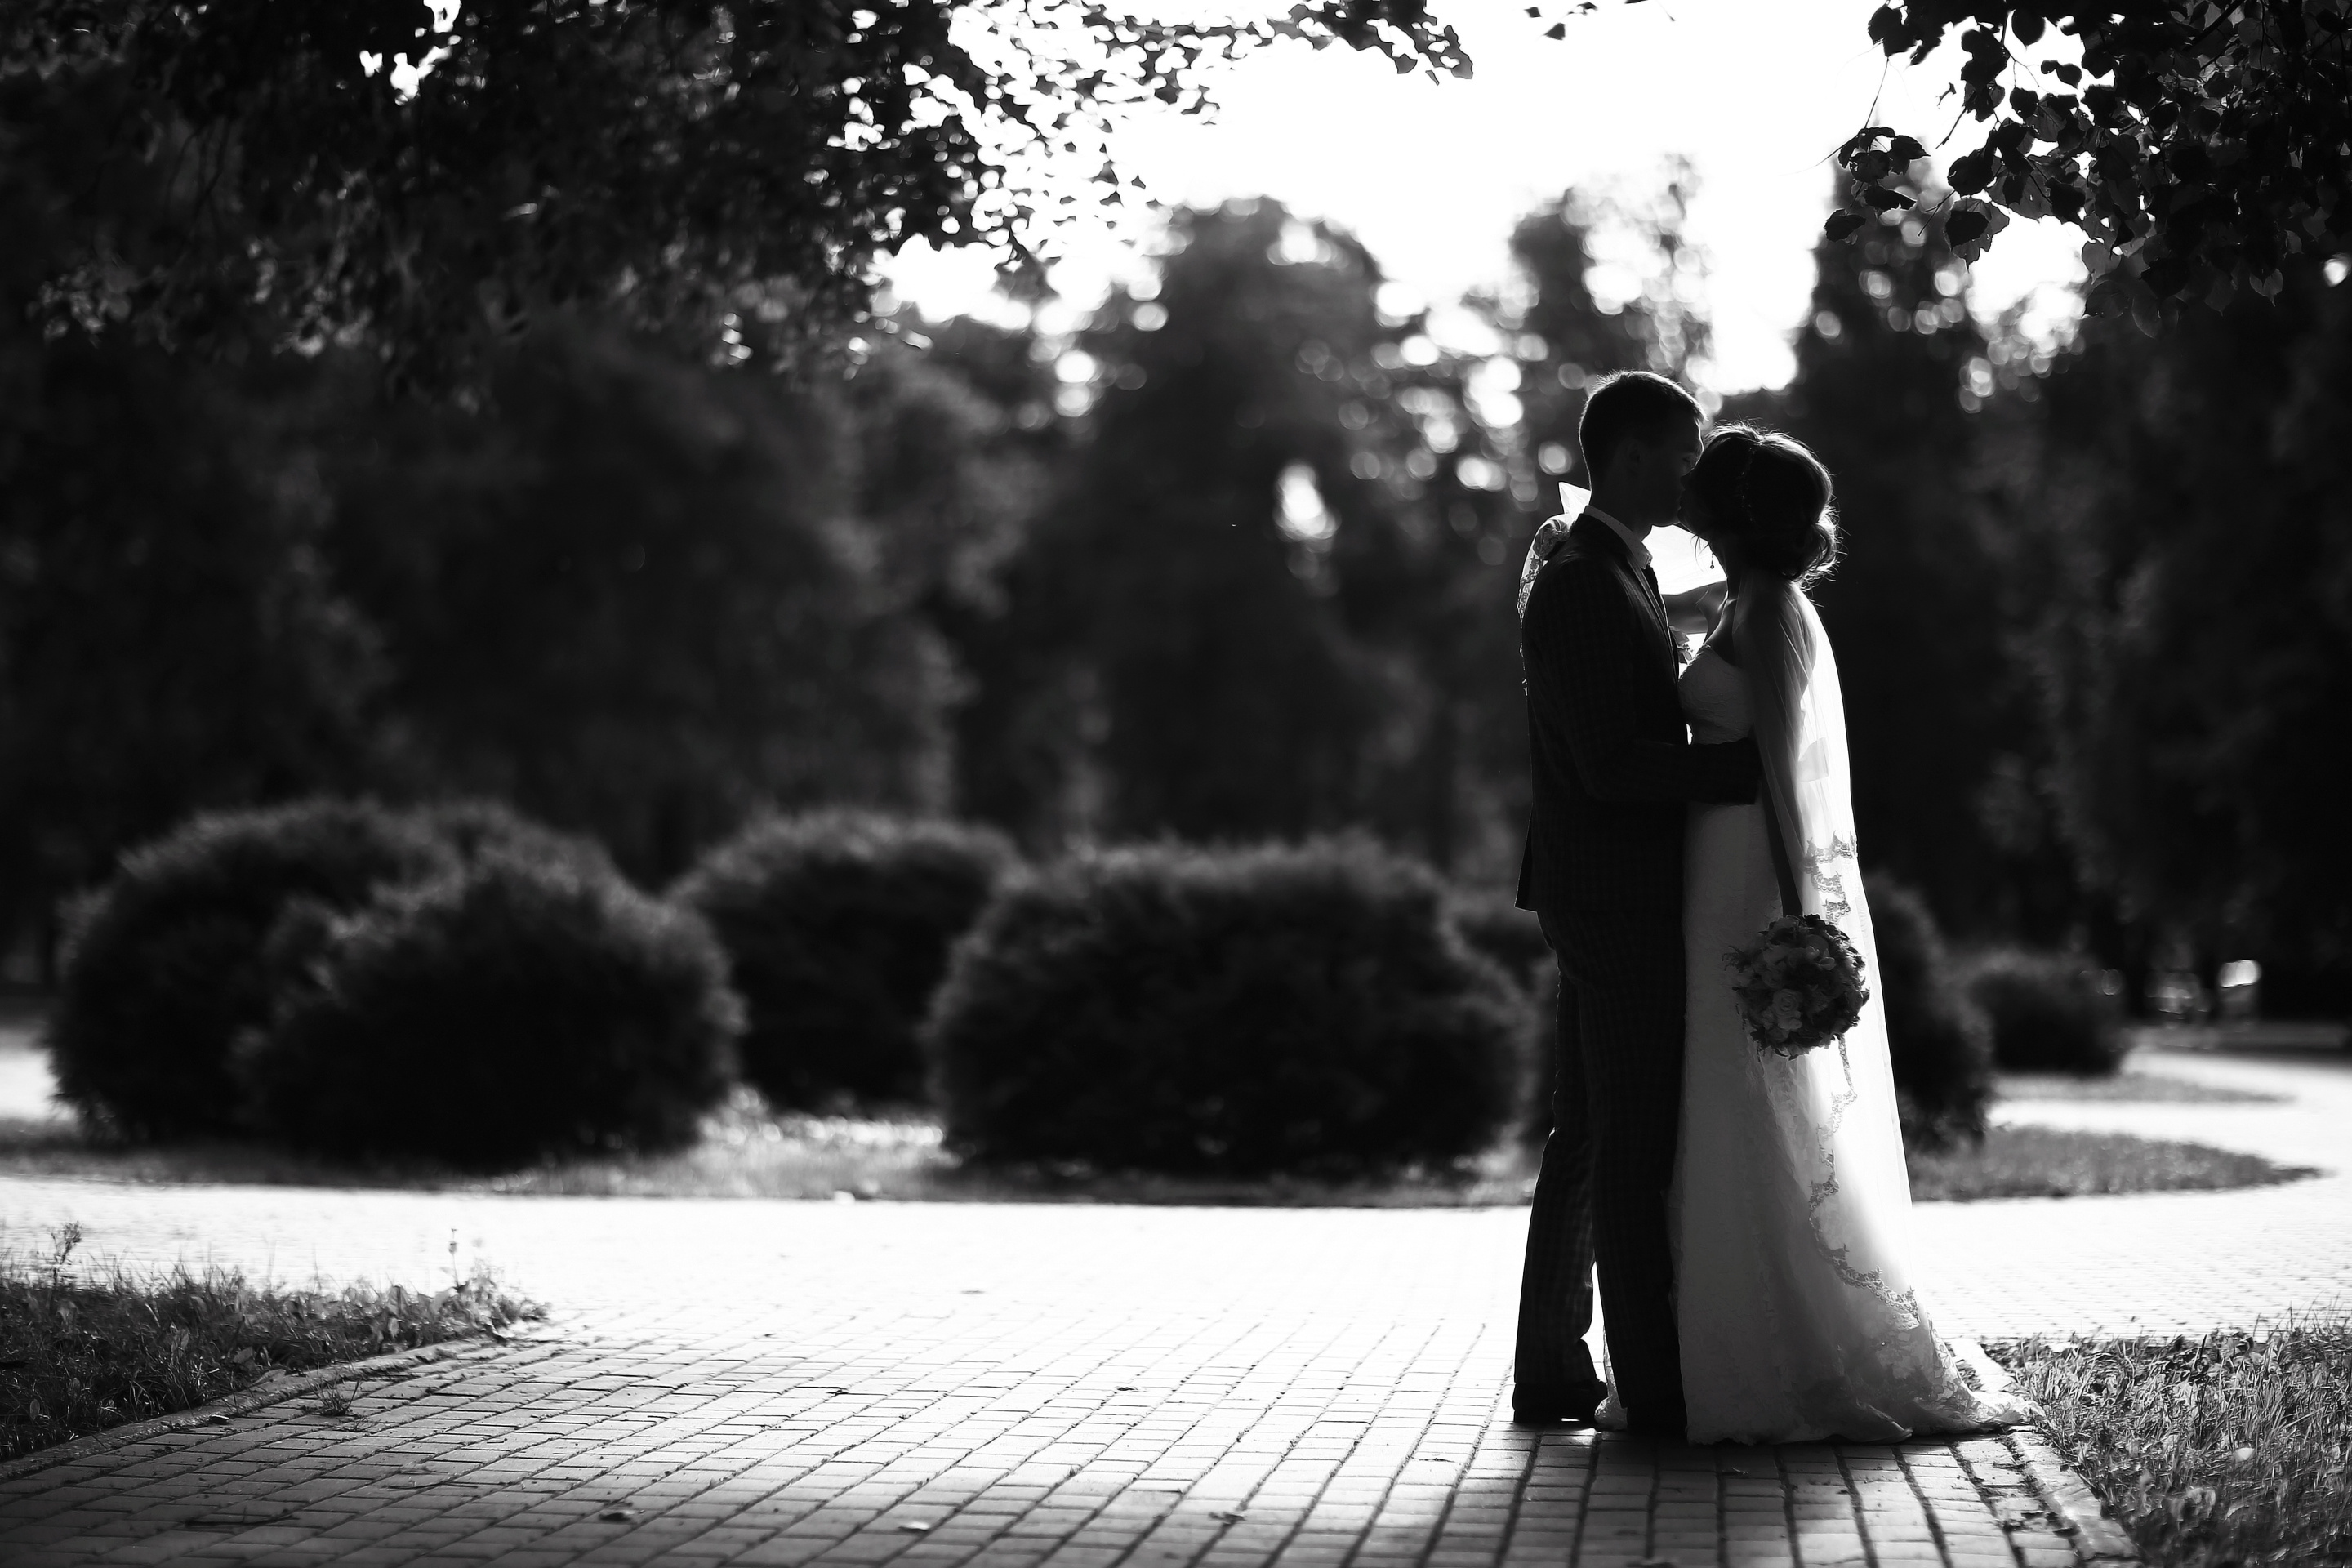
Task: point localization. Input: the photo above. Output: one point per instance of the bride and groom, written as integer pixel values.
(1748, 1211)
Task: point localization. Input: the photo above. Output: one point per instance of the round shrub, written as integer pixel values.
(2047, 1013)
(1941, 1045)
(837, 927)
(1508, 936)
(169, 961)
(474, 827)
(1306, 1010)
(513, 1009)
(1512, 939)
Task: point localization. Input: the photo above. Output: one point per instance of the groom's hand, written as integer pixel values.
(1748, 766)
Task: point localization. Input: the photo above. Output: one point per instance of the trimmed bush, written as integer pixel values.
(168, 963)
(1941, 1045)
(1306, 1010)
(473, 828)
(2047, 1013)
(837, 927)
(1512, 939)
(1506, 935)
(515, 1009)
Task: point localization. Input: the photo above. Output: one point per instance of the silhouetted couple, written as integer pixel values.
(1748, 1212)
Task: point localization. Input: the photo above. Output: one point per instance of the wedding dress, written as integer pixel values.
(1791, 1207)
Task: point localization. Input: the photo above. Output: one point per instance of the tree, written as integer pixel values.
(2198, 145)
(637, 600)
(2194, 651)
(1247, 612)
(955, 441)
(171, 636)
(1187, 581)
(1940, 714)
(426, 184)
(368, 173)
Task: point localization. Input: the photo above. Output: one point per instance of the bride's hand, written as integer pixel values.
(1694, 611)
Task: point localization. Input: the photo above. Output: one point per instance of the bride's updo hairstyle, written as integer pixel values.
(1768, 492)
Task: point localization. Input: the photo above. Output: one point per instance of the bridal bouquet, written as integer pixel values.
(1799, 985)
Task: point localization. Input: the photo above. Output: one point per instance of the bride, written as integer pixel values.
(1791, 1209)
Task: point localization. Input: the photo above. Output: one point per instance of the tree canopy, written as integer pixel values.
(422, 181)
(2200, 145)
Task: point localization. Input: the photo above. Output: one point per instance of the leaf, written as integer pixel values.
(1987, 59)
(2024, 197)
(1841, 224)
(1993, 218)
(1905, 150)
(1885, 200)
(1971, 172)
(2166, 275)
(1964, 226)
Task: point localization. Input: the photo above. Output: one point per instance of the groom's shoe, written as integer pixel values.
(1536, 1404)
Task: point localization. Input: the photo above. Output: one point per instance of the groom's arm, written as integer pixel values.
(1583, 645)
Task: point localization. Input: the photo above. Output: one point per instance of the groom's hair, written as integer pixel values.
(1632, 404)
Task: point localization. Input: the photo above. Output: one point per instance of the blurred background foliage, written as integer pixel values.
(1233, 561)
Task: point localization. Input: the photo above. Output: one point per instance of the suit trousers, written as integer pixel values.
(1601, 1196)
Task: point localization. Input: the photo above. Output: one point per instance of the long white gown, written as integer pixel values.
(1791, 1205)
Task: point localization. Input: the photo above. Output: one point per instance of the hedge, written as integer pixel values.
(837, 927)
(519, 1008)
(1307, 1009)
(168, 964)
(2047, 1013)
(1940, 1042)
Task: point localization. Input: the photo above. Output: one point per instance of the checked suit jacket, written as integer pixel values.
(1613, 761)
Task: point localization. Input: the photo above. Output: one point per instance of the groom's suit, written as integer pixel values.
(1613, 768)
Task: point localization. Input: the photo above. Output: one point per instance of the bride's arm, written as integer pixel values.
(1775, 649)
(1693, 611)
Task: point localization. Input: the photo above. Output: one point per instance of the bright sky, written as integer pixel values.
(1431, 175)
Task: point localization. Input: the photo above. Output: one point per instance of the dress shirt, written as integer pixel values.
(1634, 541)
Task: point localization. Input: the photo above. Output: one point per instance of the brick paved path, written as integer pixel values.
(2167, 1262)
(1036, 1387)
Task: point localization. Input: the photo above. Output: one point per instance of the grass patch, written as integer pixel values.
(2029, 1161)
(2133, 1087)
(2234, 1449)
(748, 1152)
(83, 1348)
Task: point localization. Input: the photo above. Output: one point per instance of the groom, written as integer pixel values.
(1603, 870)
